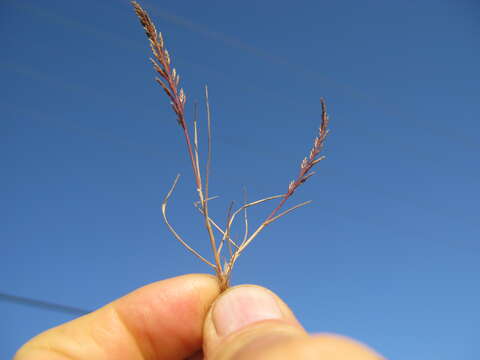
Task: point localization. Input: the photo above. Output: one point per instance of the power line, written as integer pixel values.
(229, 41)
(46, 305)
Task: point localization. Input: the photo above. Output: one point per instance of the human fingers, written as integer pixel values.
(250, 322)
(162, 320)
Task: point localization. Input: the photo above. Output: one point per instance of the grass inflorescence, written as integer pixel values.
(219, 237)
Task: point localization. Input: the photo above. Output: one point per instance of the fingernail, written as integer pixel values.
(242, 306)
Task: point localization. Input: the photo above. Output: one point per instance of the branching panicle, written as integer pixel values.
(169, 80)
(161, 64)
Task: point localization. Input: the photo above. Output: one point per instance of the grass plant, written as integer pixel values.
(219, 236)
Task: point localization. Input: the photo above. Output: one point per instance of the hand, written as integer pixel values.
(175, 319)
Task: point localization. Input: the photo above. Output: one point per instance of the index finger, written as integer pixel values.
(162, 320)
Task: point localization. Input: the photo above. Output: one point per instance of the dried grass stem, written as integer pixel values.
(169, 79)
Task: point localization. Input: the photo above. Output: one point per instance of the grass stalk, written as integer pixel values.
(169, 79)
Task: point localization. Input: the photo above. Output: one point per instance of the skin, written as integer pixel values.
(178, 317)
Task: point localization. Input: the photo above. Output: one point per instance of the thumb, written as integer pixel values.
(244, 319)
(251, 322)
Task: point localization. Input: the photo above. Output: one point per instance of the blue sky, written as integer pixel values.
(389, 250)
